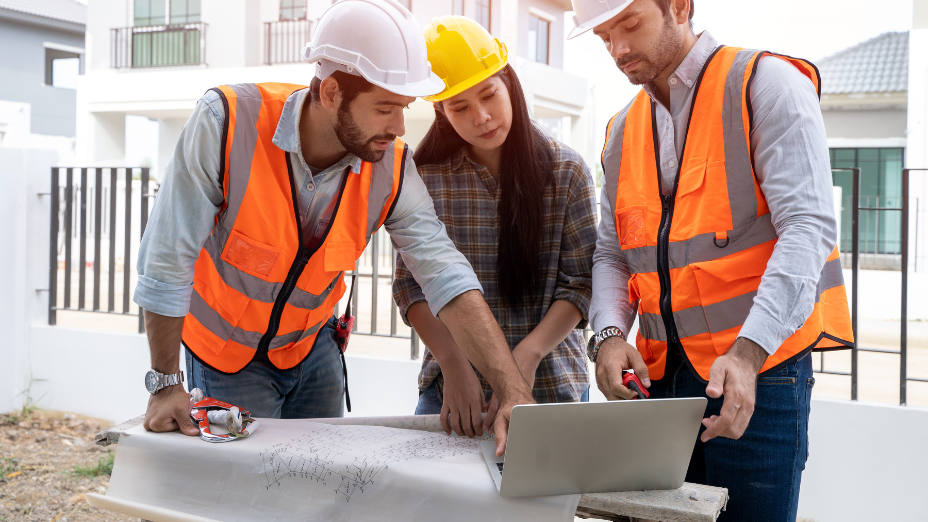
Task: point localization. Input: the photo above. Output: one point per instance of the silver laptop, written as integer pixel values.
(559, 449)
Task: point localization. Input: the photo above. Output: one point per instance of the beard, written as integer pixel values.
(353, 139)
(661, 56)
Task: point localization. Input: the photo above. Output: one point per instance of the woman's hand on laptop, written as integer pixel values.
(462, 401)
(615, 356)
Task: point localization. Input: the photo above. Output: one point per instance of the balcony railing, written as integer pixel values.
(284, 40)
(158, 46)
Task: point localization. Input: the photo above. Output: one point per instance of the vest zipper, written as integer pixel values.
(663, 234)
(663, 268)
(302, 258)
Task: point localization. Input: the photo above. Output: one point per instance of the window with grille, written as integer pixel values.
(184, 12)
(149, 12)
(538, 37)
(483, 13)
(292, 10)
(155, 12)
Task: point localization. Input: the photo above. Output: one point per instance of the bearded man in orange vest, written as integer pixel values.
(273, 193)
(718, 228)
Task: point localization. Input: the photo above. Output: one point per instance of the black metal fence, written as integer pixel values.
(284, 40)
(85, 206)
(904, 210)
(158, 45)
(378, 263)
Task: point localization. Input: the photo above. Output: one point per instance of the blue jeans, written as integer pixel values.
(315, 388)
(762, 470)
(430, 404)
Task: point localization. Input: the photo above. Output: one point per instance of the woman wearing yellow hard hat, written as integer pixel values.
(521, 207)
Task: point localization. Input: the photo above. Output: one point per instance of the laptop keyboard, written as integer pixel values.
(500, 466)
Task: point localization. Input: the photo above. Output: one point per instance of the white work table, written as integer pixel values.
(690, 503)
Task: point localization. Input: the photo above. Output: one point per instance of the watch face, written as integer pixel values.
(151, 381)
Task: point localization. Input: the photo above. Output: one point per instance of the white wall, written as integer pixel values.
(23, 175)
(866, 462)
(100, 374)
(917, 136)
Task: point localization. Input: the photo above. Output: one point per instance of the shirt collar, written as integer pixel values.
(689, 69)
(287, 135)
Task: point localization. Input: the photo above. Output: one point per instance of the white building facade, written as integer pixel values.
(156, 58)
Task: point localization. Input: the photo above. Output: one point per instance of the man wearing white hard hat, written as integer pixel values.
(272, 195)
(717, 227)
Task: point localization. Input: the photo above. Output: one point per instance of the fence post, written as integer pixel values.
(855, 269)
(143, 221)
(413, 345)
(53, 252)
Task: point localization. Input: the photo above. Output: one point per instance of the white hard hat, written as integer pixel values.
(378, 40)
(590, 13)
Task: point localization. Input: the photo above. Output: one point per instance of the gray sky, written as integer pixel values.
(811, 29)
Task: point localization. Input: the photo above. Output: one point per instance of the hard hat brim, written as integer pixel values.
(467, 84)
(422, 89)
(593, 22)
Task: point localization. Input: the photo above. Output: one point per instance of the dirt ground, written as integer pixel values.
(47, 465)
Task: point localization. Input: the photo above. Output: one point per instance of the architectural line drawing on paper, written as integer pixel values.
(320, 456)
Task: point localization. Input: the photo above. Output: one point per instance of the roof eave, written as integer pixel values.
(865, 101)
(42, 21)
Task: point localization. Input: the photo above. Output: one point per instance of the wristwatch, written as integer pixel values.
(597, 340)
(155, 381)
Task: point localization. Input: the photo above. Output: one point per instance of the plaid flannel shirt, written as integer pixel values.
(466, 197)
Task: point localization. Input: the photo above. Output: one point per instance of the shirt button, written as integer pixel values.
(673, 81)
(689, 82)
(673, 163)
(310, 186)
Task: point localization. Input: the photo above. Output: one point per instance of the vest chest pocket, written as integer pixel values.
(631, 226)
(339, 257)
(250, 256)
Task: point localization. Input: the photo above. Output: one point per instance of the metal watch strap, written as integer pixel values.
(172, 380)
(597, 340)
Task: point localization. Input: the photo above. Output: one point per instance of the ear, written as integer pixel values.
(330, 94)
(680, 10)
(438, 108)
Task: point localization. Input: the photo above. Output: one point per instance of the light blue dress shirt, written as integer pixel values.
(191, 195)
(792, 166)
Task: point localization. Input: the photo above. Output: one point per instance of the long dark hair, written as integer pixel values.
(525, 171)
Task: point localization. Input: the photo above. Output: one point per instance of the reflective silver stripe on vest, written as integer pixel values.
(381, 187)
(613, 147)
(726, 314)
(244, 139)
(738, 169)
(215, 323)
(702, 247)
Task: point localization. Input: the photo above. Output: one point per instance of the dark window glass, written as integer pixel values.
(880, 187)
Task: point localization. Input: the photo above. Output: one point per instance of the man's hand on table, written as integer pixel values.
(169, 410)
(734, 376)
(615, 356)
(501, 424)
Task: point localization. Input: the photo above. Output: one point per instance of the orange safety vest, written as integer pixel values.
(697, 256)
(256, 286)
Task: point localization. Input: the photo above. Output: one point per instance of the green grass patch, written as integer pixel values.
(104, 466)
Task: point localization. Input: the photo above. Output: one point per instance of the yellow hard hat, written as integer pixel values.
(462, 54)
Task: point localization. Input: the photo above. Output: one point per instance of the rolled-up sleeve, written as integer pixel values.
(610, 306)
(428, 267)
(183, 214)
(792, 166)
(578, 241)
